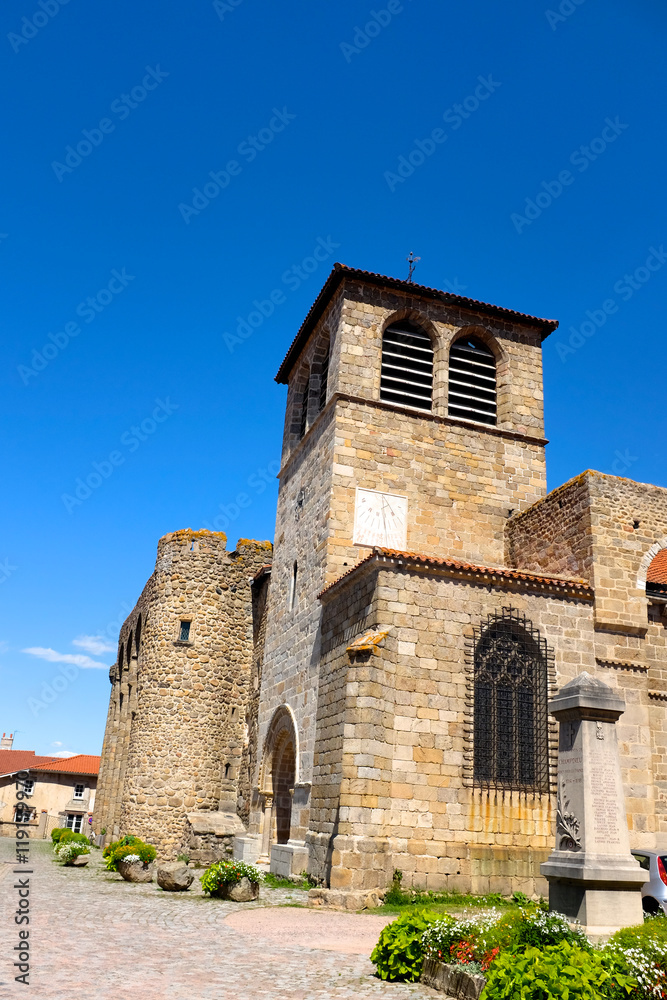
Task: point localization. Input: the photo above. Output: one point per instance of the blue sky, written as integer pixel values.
(167, 165)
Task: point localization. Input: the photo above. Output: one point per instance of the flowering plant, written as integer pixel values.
(131, 858)
(68, 851)
(223, 872)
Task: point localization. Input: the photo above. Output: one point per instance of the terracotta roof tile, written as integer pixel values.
(456, 565)
(341, 271)
(657, 571)
(18, 760)
(80, 764)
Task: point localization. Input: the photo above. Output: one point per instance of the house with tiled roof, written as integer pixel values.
(42, 793)
(377, 699)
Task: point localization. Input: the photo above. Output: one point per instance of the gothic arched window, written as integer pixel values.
(472, 381)
(407, 366)
(510, 726)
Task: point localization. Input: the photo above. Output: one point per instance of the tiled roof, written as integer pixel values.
(18, 760)
(341, 271)
(657, 571)
(80, 764)
(487, 573)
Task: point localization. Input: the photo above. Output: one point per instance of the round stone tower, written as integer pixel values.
(177, 730)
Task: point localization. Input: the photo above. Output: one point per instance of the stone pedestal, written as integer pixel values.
(592, 876)
(248, 847)
(289, 859)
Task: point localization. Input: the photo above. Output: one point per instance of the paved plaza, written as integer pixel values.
(95, 937)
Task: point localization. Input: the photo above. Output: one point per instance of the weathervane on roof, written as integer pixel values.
(412, 263)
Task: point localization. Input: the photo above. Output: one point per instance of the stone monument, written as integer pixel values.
(592, 876)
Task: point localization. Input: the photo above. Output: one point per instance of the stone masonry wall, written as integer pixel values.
(406, 799)
(176, 743)
(554, 534)
(461, 478)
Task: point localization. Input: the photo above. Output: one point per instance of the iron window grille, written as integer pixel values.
(407, 366)
(472, 381)
(184, 632)
(511, 665)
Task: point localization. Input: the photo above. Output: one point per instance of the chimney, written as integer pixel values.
(6, 741)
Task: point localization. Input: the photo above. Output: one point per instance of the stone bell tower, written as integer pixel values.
(414, 421)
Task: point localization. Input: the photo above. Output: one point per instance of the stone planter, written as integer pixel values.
(80, 862)
(452, 980)
(240, 892)
(174, 877)
(136, 871)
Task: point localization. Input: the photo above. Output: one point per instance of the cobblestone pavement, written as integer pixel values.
(95, 937)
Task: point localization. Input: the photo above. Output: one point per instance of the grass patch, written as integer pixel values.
(278, 882)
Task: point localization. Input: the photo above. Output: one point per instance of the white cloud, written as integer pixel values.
(64, 753)
(94, 644)
(57, 743)
(78, 659)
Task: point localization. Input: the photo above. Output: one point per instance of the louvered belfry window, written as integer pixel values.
(407, 366)
(472, 381)
(510, 723)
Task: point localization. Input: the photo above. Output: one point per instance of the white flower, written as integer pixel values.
(131, 858)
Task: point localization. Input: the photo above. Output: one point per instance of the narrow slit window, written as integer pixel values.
(295, 573)
(324, 379)
(472, 381)
(303, 425)
(407, 366)
(184, 634)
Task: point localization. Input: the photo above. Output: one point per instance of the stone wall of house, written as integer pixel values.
(177, 732)
(400, 725)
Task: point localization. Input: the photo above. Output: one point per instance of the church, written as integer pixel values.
(370, 692)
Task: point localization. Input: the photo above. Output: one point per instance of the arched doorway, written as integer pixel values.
(284, 773)
(278, 777)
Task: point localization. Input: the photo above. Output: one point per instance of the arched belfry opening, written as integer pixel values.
(278, 777)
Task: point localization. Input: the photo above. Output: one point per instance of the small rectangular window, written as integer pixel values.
(184, 634)
(28, 785)
(78, 791)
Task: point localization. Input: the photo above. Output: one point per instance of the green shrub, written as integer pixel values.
(57, 833)
(556, 972)
(224, 872)
(539, 928)
(68, 836)
(651, 931)
(119, 849)
(399, 953)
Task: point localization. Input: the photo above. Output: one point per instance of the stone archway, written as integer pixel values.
(278, 778)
